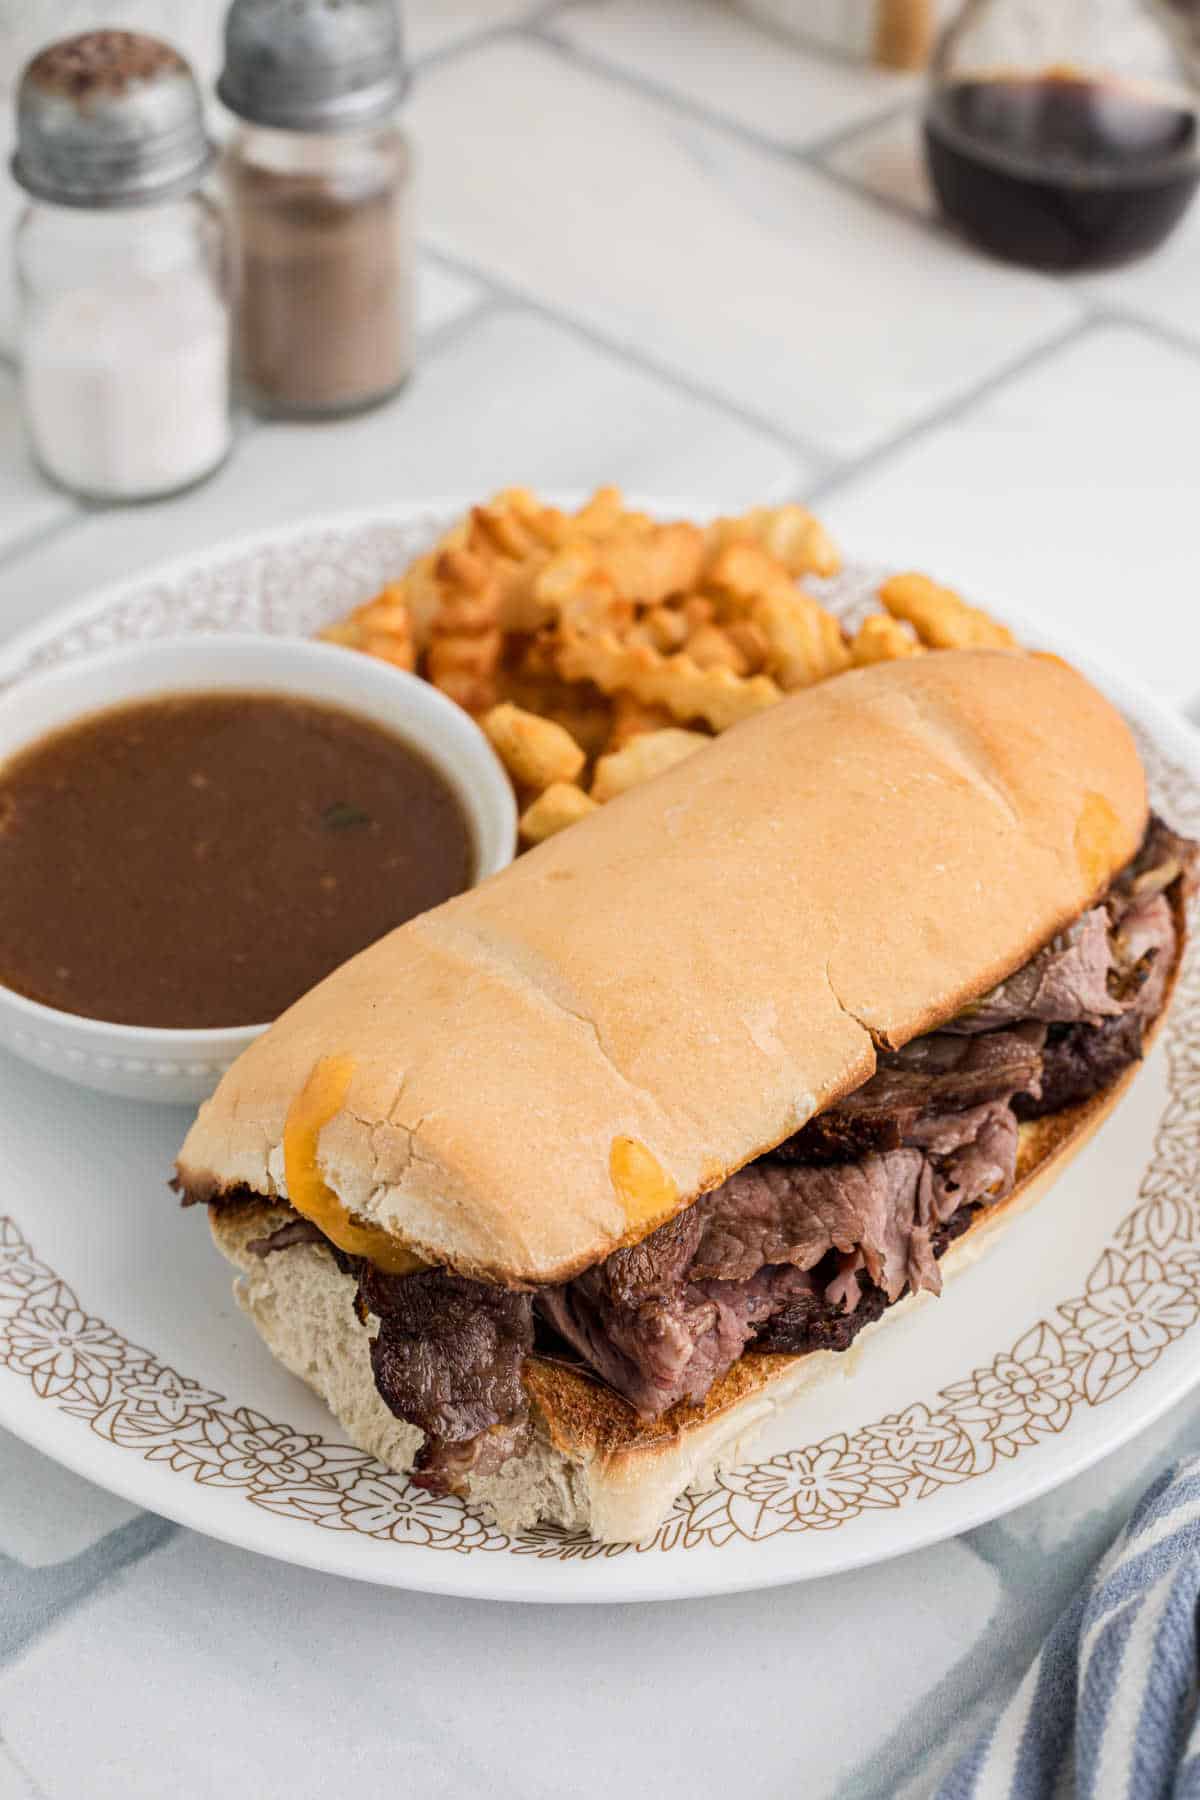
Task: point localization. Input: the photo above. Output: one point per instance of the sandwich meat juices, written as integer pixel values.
(558, 1191)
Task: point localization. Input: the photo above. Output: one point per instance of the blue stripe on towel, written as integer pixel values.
(1108, 1709)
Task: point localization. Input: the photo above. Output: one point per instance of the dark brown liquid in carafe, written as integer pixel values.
(1061, 172)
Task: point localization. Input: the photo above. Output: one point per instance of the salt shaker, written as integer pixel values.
(122, 270)
(319, 180)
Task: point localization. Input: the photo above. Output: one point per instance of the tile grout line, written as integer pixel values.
(27, 543)
(1105, 313)
(1091, 311)
(951, 409)
(46, 1598)
(516, 299)
(543, 34)
(930, 225)
(814, 157)
(446, 335)
(530, 21)
(1092, 319)
(814, 153)
(245, 425)
(32, 1789)
(500, 295)
(538, 30)
(532, 30)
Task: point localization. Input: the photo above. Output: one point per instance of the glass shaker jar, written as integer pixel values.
(1062, 133)
(319, 179)
(122, 271)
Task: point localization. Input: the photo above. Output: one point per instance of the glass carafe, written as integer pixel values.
(1063, 133)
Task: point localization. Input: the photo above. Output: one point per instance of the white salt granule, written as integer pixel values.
(126, 387)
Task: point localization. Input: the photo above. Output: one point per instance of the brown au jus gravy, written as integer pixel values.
(204, 859)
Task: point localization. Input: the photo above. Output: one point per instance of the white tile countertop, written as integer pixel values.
(663, 248)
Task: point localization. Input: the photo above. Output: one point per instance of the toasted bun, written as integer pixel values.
(552, 1064)
(591, 1465)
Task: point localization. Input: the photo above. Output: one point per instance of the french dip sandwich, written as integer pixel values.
(556, 1193)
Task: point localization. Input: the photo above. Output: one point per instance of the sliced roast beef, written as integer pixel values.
(815, 1322)
(1083, 977)
(859, 1203)
(1163, 859)
(447, 1357)
(444, 1466)
(801, 1249)
(667, 1346)
(1080, 1060)
(285, 1237)
(1065, 983)
(1143, 954)
(818, 1322)
(662, 1322)
(938, 1072)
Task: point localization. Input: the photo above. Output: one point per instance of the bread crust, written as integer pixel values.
(592, 1464)
(698, 967)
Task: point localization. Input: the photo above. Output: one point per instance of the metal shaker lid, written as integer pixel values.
(313, 65)
(109, 118)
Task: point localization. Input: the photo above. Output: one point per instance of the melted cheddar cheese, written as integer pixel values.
(318, 1101)
(647, 1194)
(1097, 833)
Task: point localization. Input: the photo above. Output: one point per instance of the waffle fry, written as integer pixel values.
(652, 564)
(561, 805)
(381, 628)
(517, 525)
(469, 599)
(529, 678)
(664, 627)
(630, 720)
(941, 618)
(711, 647)
(741, 573)
(791, 534)
(649, 755)
(804, 642)
(508, 540)
(587, 715)
(465, 668)
(536, 752)
(752, 641)
(882, 639)
(423, 592)
(605, 513)
(589, 639)
(688, 692)
(574, 592)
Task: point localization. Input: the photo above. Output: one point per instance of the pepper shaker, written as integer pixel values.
(319, 181)
(122, 270)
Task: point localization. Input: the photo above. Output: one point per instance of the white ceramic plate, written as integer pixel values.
(123, 1355)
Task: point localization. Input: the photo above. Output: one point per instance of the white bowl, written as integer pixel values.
(182, 1066)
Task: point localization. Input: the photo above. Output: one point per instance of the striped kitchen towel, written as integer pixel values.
(1109, 1706)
